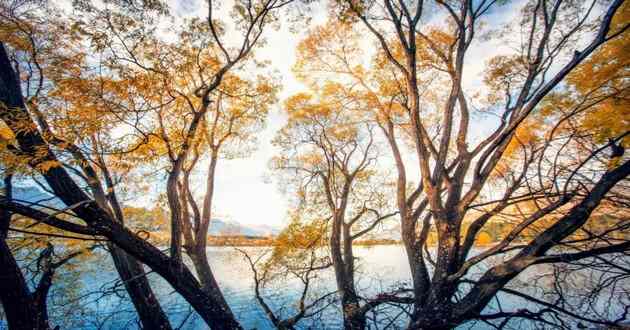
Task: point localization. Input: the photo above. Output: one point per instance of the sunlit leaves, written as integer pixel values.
(503, 75)
(604, 79)
(293, 245)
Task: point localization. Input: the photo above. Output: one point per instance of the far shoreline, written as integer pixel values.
(253, 241)
(260, 241)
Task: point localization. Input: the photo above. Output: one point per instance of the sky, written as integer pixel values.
(246, 191)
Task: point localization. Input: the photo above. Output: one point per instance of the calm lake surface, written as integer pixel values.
(99, 301)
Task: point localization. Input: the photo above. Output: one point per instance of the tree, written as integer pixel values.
(111, 38)
(329, 150)
(297, 253)
(454, 176)
(334, 49)
(240, 110)
(176, 127)
(34, 50)
(98, 104)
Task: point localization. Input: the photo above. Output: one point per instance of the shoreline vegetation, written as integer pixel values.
(249, 240)
(244, 240)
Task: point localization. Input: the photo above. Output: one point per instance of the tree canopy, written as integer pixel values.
(488, 136)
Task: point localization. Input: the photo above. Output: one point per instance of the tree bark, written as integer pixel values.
(176, 212)
(343, 264)
(137, 285)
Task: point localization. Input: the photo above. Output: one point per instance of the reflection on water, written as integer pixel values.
(380, 269)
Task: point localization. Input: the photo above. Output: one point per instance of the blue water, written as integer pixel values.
(96, 300)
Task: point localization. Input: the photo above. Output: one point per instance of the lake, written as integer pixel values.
(97, 300)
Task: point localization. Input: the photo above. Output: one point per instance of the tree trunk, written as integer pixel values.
(351, 319)
(176, 212)
(209, 283)
(137, 285)
(197, 252)
(343, 264)
(419, 274)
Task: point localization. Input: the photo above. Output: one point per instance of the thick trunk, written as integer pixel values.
(337, 256)
(419, 274)
(209, 283)
(448, 228)
(176, 213)
(137, 285)
(353, 318)
(435, 311)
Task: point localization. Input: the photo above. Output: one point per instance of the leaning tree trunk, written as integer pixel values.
(137, 285)
(132, 273)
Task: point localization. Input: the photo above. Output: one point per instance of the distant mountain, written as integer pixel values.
(220, 227)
